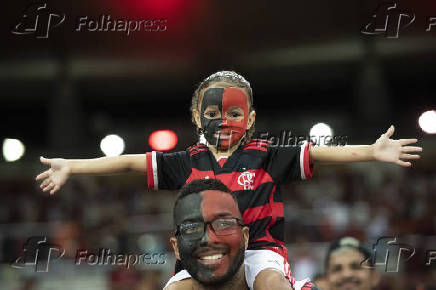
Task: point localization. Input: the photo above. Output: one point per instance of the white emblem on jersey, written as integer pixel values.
(207, 177)
(246, 179)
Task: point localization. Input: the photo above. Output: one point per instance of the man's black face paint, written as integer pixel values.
(188, 208)
(212, 97)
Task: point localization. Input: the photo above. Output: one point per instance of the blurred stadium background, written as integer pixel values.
(307, 62)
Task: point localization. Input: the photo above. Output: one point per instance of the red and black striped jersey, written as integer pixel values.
(253, 172)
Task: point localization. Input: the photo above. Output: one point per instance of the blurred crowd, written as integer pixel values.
(365, 201)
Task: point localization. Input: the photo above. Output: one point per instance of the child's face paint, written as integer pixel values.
(224, 116)
(212, 259)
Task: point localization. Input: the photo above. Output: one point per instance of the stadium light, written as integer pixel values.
(112, 145)
(320, 134)
(162, 140)
(427, 122)
(13, 149)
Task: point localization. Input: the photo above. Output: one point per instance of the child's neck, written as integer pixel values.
(217, 152)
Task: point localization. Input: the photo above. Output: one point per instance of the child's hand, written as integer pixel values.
(395, 151)
(54, 177)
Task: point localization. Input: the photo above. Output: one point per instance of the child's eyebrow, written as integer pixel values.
(212, 107)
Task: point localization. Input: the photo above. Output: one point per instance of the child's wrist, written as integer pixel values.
(371, 149)
(68, 168)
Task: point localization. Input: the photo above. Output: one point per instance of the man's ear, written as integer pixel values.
(197, 119)
(251, 119)
(246, 235)
(173, 241)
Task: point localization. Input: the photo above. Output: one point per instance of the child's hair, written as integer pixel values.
(232, 78)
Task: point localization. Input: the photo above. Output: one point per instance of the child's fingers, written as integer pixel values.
(43, 175)
(403, 163)
(49, 187)
(409, 156)
(56, 188)
(390, 131)
(45, 161)
(407, 141)
(409, 149)
(45, 183)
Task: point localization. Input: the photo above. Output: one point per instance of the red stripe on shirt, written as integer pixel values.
(199, 174)
(256, 148)
(308, 168)
(258, 143)
(149, 164)
(235, 180)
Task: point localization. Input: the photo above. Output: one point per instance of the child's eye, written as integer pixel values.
(234, 115)
(211, 114)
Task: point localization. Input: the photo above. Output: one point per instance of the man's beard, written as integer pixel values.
(205, 274)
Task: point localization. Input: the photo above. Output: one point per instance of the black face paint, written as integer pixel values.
(188, 208)
(212, 97)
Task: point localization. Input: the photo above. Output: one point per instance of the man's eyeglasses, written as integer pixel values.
(221, 227)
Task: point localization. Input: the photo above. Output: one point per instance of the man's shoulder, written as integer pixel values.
(180, 285)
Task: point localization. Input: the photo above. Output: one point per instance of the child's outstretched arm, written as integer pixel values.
(384, 149)
(61, 169)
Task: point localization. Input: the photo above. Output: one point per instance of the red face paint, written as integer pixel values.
(234, 97)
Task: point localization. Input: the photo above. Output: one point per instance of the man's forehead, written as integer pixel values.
(207, 204)
(188, 207)
(217, 202)
(346, 255)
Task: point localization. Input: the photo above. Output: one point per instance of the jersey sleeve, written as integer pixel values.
(167, 170)
(289, 163)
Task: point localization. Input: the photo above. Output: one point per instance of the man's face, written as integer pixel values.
(224, 115)
(212, 259)
(345, 271)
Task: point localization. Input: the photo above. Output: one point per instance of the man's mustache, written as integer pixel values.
(346, 280)
(224, 249)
